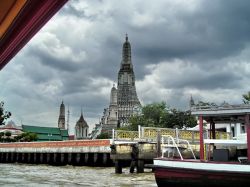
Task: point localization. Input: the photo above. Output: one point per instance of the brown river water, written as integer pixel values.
(19, 175)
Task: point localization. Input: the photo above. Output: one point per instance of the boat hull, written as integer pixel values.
(194, 177)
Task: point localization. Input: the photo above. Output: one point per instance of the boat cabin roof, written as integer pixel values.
(222, 114)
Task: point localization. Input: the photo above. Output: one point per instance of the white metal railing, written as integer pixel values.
(171, 145)
(150, 134)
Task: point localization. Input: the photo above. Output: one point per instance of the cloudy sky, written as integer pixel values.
(179, 48)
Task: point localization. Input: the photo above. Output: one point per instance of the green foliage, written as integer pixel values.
(103, 136)
(159, 115)
(8, 133)
(5, 137)
(1, 134)
(3, 114)
(26, 137)
(246, 98)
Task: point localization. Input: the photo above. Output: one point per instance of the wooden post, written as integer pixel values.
(1, 157)
(95, 159)
(41, 158)
(17, 157)
(55, 158)
(29, 158)
(7, 157)
(133, 164)
(134, 157)
(34, 158)
(140, 166)
(12, 157)
(201, 138)
(62, 158)
(48, 158)
(118, 167)
(104, 159)
(78, 158)
(247, 123)
(69, 158)
(158, 145)
(23, 157)
(86, 158)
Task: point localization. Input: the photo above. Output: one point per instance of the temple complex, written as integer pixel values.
(124, 102)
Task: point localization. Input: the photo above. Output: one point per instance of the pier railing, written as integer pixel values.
(126, 135)
(150, 134)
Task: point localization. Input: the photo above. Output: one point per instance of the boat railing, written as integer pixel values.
(170, 144)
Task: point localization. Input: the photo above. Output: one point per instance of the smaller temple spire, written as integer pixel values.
(61, 119)
(191, 102)
(126, 52)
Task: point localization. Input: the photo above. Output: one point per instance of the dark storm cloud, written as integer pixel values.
(178, 48)
(54, 62)
(206, 82)
(216, 29)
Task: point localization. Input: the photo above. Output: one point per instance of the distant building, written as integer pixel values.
(47, 133)
(81, 128)
(12, 128)
(61, 119)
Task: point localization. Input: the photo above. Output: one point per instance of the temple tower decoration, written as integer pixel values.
(127, 100)
(124, 102)
(61, 119)
(191, 102)
(113, 112)
(81, 128)
(109, 119)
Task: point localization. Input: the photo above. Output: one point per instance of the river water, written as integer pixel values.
(45, 175)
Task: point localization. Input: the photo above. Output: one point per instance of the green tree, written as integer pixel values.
(26, 137)
(7, 136)
(1, 136)
(153, 114)
(246, 98)
(178, 119)
(3, 114)
(103, 136)
(159, 115)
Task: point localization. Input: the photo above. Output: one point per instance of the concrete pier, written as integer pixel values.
(133, 154)
(80, 152)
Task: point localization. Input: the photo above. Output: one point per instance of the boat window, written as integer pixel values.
(243, 129)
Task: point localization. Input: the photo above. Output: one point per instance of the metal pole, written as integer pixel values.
(158, 143)
(139, 131)
(247, 123)
(201, 138)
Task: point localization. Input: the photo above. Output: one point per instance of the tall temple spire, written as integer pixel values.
(127, 99)
(126, 52)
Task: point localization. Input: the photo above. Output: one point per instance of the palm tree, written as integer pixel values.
(246, 98)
